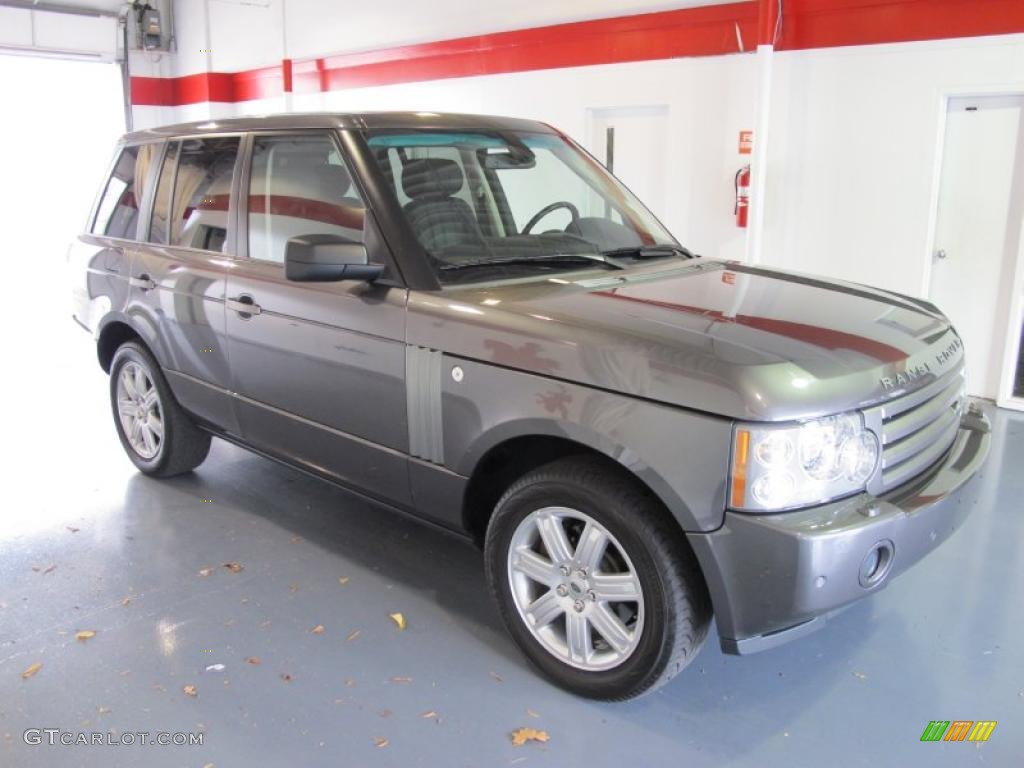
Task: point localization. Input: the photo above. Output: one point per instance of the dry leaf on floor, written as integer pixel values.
(343, 580)
(206, 571)
(234, 567)
(50, 569)
(252, 660)
(354, 634)
(293, 587)
(286, 677)
(522, 735)
(126, 601)
(72, 528)
(32, 670)
(398, 679)
(497, 677)
(85, 634)
(399, 619)
(380, 741)
(531, 713)
(190, 690)
(318, 629)
(429, 715)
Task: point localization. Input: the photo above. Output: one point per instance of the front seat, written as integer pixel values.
(438, 219)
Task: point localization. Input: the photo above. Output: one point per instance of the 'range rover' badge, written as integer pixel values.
(929, 365)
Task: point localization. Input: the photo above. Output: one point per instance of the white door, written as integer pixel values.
(636, 137)
(977, 236)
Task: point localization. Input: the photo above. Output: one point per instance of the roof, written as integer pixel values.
(358, 120)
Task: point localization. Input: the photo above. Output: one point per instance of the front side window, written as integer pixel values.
(198, 215)
(509, 204)
(118, 211)
(299, 185)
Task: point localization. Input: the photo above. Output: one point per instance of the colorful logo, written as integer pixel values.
(958, 730)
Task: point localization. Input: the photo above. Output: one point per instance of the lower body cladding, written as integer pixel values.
(773, 578)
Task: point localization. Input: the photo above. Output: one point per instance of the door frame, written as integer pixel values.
(1015, 313)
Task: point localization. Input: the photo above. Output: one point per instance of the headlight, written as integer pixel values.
(795, 465)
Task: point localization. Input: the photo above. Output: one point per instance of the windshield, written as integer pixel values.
(488, 206)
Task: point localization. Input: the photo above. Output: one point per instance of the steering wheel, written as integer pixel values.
(572, 209)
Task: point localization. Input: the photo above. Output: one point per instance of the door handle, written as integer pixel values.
(142, 281)
(244, 305)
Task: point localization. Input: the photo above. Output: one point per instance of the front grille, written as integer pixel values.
(917, 429)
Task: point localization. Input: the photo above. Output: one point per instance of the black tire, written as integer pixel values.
(184, 446)
(677, 608)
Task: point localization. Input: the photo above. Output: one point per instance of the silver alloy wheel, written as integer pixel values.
(575, 588)
(138, 406)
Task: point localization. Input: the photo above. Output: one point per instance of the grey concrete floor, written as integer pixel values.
(86, 543)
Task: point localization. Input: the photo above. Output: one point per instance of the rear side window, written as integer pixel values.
(299, 186)
(162, 200)
(118, 211)
(198, 215)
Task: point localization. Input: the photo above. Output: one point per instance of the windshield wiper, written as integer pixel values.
(548, 258)
(651, 251)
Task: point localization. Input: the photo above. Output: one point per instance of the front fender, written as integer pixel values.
(681, 455)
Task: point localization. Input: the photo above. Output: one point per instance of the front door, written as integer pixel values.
(977, 236)
(318, 368)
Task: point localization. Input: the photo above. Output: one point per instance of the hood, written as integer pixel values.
(722, 338)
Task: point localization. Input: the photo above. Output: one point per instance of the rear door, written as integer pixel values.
(100, 258)
(319, 368)
(178, 274)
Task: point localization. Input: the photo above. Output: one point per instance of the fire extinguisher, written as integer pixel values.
(742, 186)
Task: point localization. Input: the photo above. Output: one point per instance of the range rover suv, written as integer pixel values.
(469, 319)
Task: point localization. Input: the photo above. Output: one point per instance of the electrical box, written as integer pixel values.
(150, 28)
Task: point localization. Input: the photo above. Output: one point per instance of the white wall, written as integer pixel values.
(851, 168)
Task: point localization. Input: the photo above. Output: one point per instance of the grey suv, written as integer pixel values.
(469, 319)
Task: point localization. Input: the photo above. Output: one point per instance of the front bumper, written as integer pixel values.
(773, 578)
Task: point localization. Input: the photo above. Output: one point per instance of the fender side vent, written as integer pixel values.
(423, 398)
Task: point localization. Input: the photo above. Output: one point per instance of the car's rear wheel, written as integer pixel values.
(158, 436)
(593, 582)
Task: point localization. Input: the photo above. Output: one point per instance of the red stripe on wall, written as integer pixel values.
(830, 23)
(322, 211)
(305, 208)
(702, 31)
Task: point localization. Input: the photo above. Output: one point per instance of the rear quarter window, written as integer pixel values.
(118, 212)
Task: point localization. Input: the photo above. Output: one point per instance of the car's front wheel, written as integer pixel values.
(595, 585)
(158, 436)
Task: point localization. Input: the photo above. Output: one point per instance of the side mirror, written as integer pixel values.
(326, 259)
